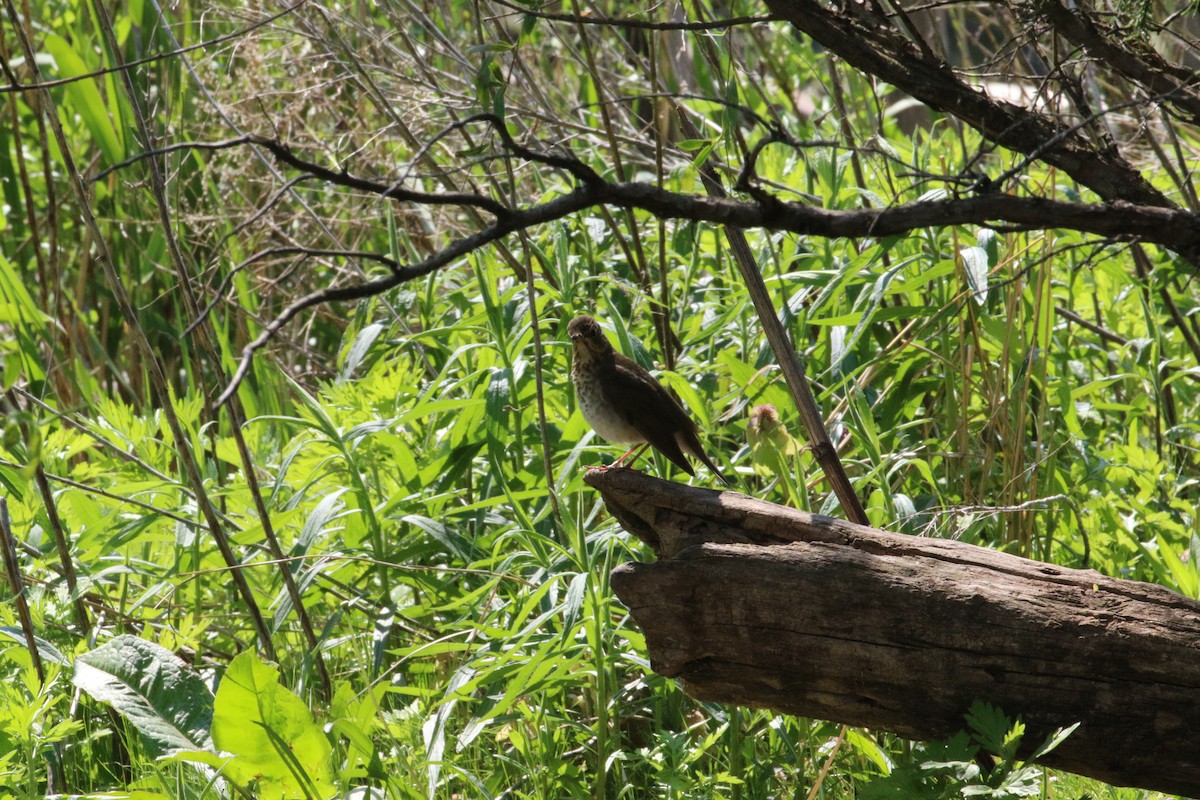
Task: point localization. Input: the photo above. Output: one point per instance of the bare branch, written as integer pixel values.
(1131, 56)
(637, 24)
(1176, 229)
(885, 53)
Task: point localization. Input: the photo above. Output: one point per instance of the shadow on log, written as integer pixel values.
(762, 605)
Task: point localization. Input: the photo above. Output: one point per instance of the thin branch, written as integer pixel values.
(881, 51)
(283, 152)
(223, 144)
(1099, 330)
(636, 24)
(305, 252)
(1173, 228)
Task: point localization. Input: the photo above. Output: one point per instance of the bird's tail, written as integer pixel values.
(698, 453)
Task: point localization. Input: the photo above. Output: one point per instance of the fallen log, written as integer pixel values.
(756, 604)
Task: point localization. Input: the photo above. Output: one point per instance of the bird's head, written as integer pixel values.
(587, 338)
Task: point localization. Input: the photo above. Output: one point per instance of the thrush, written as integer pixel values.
(625, 404)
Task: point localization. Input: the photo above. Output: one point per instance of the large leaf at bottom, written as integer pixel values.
(275, 743)
(153, 689)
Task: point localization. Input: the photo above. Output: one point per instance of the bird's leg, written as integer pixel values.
(617, 464)
(636, 456)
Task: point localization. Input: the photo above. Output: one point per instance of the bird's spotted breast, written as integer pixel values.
(599, 414)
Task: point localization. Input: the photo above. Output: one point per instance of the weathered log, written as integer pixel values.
(762, 605)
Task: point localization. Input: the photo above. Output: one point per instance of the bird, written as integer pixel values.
(625, 404)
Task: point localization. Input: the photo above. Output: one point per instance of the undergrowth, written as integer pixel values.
(419, 454)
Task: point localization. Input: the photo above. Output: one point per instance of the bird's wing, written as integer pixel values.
(640, 400)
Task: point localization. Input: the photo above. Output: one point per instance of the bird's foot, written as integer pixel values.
(617, 466)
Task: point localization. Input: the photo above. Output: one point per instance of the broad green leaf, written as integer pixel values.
(84, 99)
(152, 688)
(869, 748)
(276, 745)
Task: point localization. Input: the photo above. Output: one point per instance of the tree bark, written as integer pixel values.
(761, 605)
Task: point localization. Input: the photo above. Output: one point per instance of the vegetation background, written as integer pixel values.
(418, 603)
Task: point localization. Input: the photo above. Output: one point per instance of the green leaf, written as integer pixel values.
(84, 99)
(1053, 741)
(528, 23)
(975, 264)
(47, 651)
(1185, 573)
(990, 726)
(731, 112)
(359, 349)
(870, 749)
(275, 743)
(498, 398)
(700, 149)
(26, 325)
(498, 104)
(153, 689)
(452, 541)
(17, 306)
(576, 592)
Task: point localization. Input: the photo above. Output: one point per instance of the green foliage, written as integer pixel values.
(452, 564)
(978, 762)
(255, 732)
(35, 722)
(278, 750)
(169, 705)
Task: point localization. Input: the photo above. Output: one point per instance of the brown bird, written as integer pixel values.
(625, 404)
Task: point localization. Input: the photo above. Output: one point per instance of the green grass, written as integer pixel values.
(452, 564)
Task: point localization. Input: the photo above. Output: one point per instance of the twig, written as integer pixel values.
(306, 252)
(7, 542)
(637, 24)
